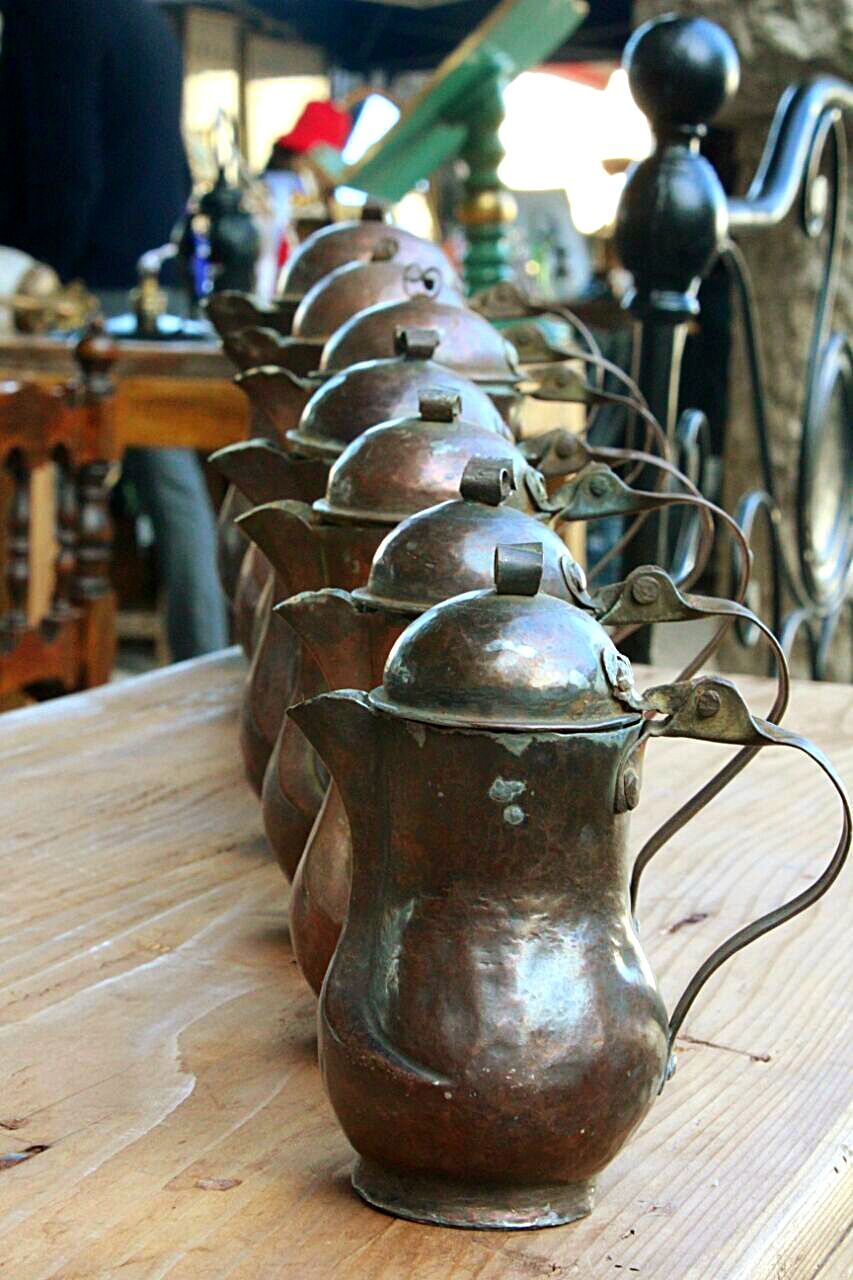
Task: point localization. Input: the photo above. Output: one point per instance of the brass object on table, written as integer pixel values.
(491, 1033)
(41, 303)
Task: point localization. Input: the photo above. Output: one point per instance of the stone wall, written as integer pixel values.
(780, 42)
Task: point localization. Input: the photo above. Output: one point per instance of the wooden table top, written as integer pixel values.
(32, 354)
(157, 1043)
(168, 394)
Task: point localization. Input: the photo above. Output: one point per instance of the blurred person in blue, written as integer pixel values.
(94, 173)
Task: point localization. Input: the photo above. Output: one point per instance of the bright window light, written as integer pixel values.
(378, 114)
(585, 127)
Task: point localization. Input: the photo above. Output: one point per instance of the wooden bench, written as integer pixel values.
(161, 1112)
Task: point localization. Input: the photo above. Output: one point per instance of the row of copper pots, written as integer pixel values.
(490, 1031)
(447, 792)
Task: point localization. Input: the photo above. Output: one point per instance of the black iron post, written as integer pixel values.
(672, 219)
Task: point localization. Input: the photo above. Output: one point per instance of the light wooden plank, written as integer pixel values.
(157, 1039)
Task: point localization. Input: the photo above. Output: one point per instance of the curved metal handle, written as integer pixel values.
(712, 710)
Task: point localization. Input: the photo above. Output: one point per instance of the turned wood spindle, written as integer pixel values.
(94, 533)
(65, 568)
(18, 548)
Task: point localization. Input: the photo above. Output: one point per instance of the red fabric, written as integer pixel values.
(319, 122)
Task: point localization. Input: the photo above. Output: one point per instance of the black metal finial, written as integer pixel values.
(673, 215)
(681, 71)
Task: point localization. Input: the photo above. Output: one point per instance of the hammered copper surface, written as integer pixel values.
(397, 468)
(489, 1029)
(376, 391)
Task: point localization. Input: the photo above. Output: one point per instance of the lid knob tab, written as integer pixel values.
(385, 249)
(437, 405)
(416, 344)
(487, 480)
(518, 568)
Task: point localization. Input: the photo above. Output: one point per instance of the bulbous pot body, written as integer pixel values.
(490, 1031)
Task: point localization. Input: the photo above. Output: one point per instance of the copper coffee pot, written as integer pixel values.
(435, 554)
(387, 276)
(385, 475)
(322, 252)
(429, 557)
(346, 404)
(490, 1030)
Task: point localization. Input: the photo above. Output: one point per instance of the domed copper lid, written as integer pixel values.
(343, 242)
(450, 548)
(387, 276)
(510, 658)
(378, 390)
(400, 467)
(468, 344)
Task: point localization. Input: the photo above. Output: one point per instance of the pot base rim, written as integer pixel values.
(444, 1202)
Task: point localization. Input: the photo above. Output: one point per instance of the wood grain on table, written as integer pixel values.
(157, 1051)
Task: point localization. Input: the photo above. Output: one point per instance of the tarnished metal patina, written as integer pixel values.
(433, 555)
(490, 1030)
(387, 276)
(343, 242)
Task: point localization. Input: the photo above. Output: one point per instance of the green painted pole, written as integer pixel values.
(488, 209)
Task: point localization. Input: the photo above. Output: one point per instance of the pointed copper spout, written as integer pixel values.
(261, 471)
(285, 533)
(342, 728)
(232, 310)
(279, 394)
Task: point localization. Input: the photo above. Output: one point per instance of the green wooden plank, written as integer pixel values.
(433, 126)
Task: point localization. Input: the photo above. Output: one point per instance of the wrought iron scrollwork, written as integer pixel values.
(811, 589)
(681, 72)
